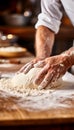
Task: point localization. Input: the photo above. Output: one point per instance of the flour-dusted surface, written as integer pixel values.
(29, 97)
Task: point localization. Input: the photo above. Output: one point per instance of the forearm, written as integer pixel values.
(44, 42)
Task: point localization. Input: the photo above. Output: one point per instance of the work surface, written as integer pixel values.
(11, 113)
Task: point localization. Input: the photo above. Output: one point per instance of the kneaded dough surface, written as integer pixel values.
(23, 83)
(25, 80)
(22, 80)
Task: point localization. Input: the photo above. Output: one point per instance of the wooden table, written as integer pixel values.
(12, 115)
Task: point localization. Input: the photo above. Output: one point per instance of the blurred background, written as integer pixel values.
(18, 17)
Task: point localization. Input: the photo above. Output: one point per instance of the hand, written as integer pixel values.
(25, 69)
(53, 68)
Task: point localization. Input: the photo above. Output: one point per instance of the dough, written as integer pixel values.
(25, 80)
(22, 80)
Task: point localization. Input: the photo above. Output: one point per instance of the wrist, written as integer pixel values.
(69, 58)
(72, 57)
(41, 57)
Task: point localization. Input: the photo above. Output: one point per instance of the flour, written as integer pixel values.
(22, 82)
(47, 100)
(59, 94)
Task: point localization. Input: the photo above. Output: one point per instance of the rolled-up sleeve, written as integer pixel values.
(51, 14)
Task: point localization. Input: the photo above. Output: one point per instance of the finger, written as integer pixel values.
(58, 72)
(55, 78)
(53, 74)
(27, 69)
(23, 68)
(46, 80)
(39, 64)
(41, 75)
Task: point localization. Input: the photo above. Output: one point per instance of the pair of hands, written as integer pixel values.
(52, 69)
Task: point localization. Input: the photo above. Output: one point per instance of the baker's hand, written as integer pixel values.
(25, 69)
(53, 68)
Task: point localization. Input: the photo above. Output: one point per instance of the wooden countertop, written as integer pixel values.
(12, 114)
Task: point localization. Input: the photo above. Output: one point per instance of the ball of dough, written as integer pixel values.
(22, 80)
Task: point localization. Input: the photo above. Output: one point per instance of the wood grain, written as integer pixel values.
(13, 114)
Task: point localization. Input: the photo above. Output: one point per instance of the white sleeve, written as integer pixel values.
(51, 14)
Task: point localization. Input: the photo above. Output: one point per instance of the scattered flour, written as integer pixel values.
(21, 85)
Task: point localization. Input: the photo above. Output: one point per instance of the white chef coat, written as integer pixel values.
(52, 12)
